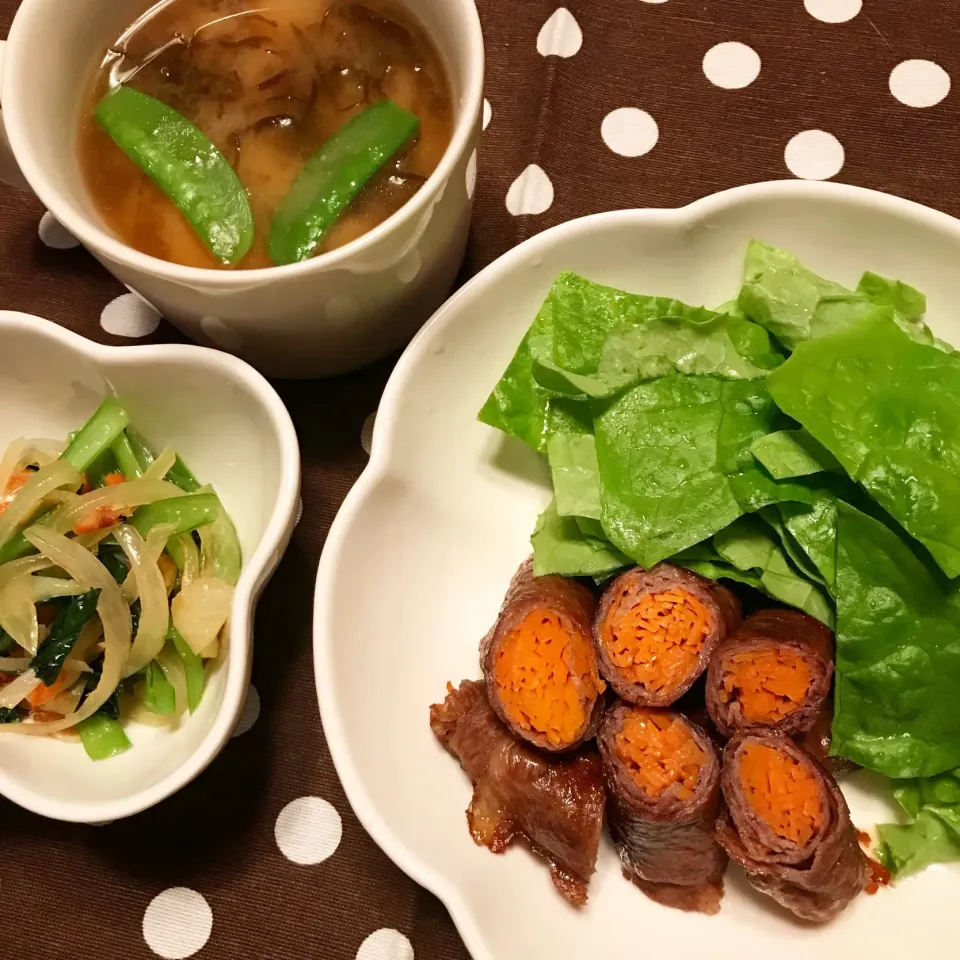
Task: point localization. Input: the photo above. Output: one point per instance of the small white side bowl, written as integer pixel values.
(233, 431)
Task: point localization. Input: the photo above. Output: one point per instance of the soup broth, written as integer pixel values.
(268, 82)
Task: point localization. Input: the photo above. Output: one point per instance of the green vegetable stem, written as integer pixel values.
(334, 176)
(187, 167)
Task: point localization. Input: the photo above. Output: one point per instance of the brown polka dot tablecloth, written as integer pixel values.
(591, 106)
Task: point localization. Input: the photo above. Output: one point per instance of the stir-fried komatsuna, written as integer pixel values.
(117, 572)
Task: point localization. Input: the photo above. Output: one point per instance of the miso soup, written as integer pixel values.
(270, 83)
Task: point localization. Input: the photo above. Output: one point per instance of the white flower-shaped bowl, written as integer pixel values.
(418, 560)
(233, 431)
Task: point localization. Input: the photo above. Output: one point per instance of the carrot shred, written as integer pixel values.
(16, 481)
(782, 791)
(536, 670)
(657, 641)
(43, 694)
(113, 479)
(661, 752)
(769, 684)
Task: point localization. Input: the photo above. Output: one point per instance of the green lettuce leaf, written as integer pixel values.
(561, 547)
(675, 465)
(792, 453)
(781, 294)
(909, 302)
(575, 474)
(749, 544)
(569, 332)
(898, 653)
(933, 835)
(888, 409)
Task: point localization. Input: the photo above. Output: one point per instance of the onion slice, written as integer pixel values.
(15, 691)
(191, 560)
(18, 613)
(154, 612)
(14, 664)
(49, 588)
(114, 614)
(200, 610)
(29, 496)
(161, 466)
(121, 498)
(10, 461)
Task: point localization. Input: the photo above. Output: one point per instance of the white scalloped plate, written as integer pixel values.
(420, 555)
(232, 429)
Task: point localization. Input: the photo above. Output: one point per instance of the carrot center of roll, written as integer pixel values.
(769, 684)
(660, 751)
(782, 791)
(543, 672)
(657, 641)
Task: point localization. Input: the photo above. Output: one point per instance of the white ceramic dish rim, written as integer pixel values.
(93, 236)
(389, 412)
(257, 568)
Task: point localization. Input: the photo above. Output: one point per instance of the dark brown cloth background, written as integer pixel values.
(75, 891)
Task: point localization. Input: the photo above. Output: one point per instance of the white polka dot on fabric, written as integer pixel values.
(177, 923)
(299, 514)
(531, 193)
(308, 830)
(385, 944)
(487, 113)
(222, 335)
(814, 155)
(472, 174)
(129, 315)
(560, 36)
(366, 432)
(54, 234)
(654, 1)
(629, 131)
(919, 83)
(250, 712)
(731, 65)
(833, 11)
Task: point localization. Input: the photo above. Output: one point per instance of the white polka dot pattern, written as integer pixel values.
(629, 131)
(177, 923)
(472, 174)
(129, 315)
(54, 234)
(833, 11)
(308, 830)
(250, 713)
(487, 113)
(531, 193)
(366, 432)
(731, 65)
(560, 36)
(919, 83)
(385, 944)
(814, 155)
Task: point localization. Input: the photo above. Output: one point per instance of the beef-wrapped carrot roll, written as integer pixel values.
(539, 662)
(662, 777)
(773, 672)
(655, 631)
(552, 804)
(788, 826)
